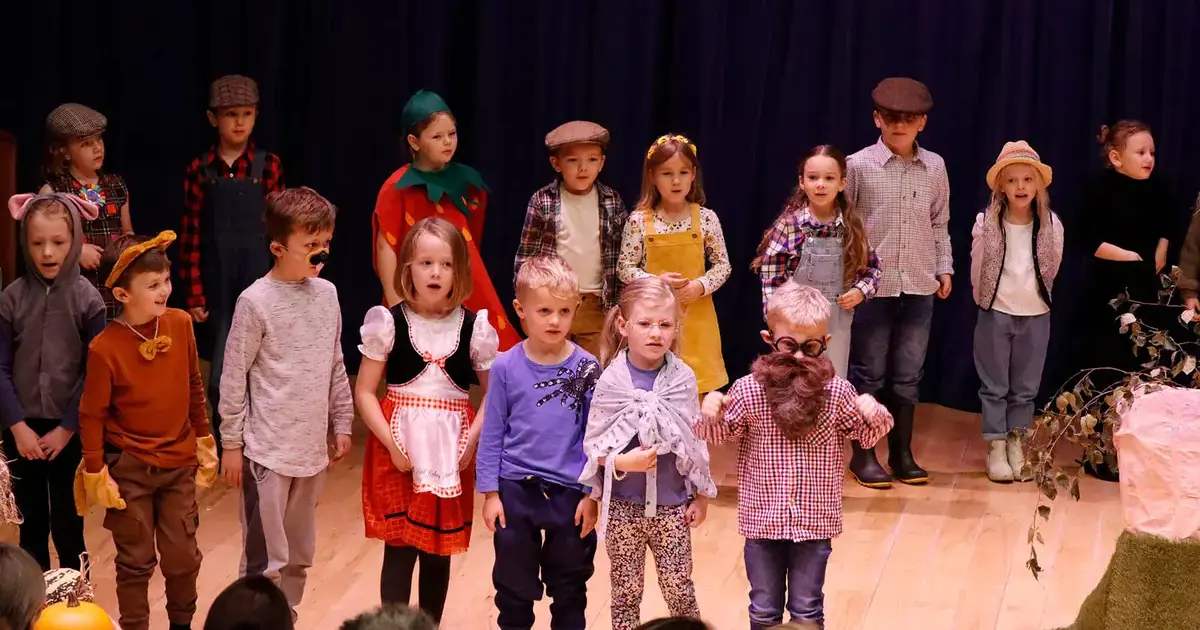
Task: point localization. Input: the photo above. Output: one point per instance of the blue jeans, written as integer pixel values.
(1010, 352)
(887, 346)
(783, 570)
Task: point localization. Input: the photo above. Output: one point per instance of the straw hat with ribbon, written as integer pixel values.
(1018, 152)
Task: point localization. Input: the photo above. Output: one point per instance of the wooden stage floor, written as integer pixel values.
(950, 555)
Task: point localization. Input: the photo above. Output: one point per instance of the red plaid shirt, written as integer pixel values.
(194, 182)
(792, 489)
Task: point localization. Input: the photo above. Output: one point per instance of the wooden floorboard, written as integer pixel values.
(950, 555)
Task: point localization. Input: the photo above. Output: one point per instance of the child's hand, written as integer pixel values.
(586, 516)
(28, 444)
(89, 256)
(400, 461)
(869, 409)
(640, 459)
(696, 512)
(231, 466)
(1193, 305)
(198, 314)
(493, 512)
(676, 280)
(851, 298)
(713, 406)
(340, 447)
(1160, 260)
(690, 292)
(944, 285)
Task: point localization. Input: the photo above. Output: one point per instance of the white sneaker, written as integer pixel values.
(1016, 459)
(998, 468)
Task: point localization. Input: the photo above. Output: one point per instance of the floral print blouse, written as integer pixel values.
(633, 247)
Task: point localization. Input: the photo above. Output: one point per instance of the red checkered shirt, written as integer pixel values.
(792, 489)
(194, 182)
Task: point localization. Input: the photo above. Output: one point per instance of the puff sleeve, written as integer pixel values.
(485, 342)
(378, 333)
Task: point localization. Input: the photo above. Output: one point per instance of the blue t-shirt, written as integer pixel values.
(672, 490)
(534, 419)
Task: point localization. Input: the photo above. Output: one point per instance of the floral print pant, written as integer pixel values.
(669, 539)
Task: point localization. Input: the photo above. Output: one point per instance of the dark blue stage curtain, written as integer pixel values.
(754, 83)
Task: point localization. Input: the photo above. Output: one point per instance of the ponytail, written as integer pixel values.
(611, 339)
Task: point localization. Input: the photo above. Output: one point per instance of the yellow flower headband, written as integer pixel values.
(164, 239)
(667, 138)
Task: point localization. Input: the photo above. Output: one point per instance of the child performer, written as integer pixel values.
(1016, 249)
(145, 434)
(531, 456)
(284, 390)
(580, 220)
(903, 195)
(47, 319)
(417, 482)
(75, 157)
(434, 186)
(642, 451)
(1129, 221)
(671, 235)
(818, 240)
(792, 416)
(223, 246)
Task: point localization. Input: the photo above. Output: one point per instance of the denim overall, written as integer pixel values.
(822, 267)
(233, 255)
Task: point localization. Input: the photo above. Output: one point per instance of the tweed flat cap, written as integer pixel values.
(233, 90)
(903, 95)
(72, 120)
(577, 131)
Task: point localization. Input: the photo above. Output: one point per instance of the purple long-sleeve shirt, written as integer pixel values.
(534, 419)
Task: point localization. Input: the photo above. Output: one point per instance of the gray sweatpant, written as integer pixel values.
(1010, 352)
(279, 533)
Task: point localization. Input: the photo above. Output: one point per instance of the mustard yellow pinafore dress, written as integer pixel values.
(683, 253)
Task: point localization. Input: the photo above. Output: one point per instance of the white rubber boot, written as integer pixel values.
(1016, 459)
(998, 468)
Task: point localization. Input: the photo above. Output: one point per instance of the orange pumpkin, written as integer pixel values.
(73, 615)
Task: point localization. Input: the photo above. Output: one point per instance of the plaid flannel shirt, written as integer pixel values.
(906, 208)
(540, 234)
(194, 182)
(792, 489)
(785, 242)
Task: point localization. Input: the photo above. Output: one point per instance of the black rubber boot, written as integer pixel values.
(900, 458)
(1104, 471)
(866, 469)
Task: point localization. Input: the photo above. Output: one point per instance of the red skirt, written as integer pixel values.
(398, 516)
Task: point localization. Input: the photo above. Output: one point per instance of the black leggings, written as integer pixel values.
(44, 492)
(395, 583)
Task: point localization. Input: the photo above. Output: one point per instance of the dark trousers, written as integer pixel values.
(533, 508)
(785, 572)
(887, 347)
(44, 492)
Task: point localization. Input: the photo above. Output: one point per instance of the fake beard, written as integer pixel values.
(795, 389)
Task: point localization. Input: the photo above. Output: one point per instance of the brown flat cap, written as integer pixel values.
(577, 131)
(903, 95)
(233, 90)
(72, 120)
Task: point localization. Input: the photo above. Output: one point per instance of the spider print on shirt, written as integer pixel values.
(572, 385)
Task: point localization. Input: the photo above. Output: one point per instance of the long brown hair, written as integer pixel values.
(795, 389)
(54, 162)
(645, 290)
(661, 151)
(854, 245)
(1114, 138)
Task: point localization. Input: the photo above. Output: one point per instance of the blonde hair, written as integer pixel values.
(550, 272)
(797, 304)
(1041, 201)
(646, 290)
(459, 258)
